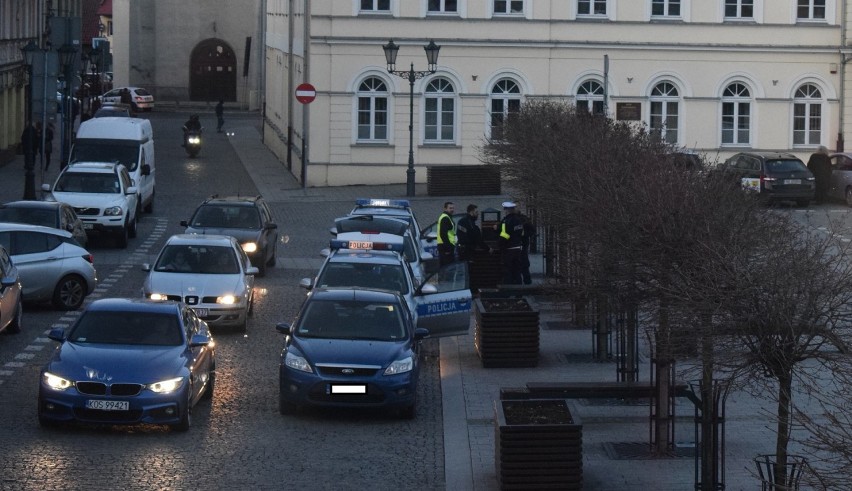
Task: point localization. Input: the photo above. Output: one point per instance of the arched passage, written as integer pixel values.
(213, 74)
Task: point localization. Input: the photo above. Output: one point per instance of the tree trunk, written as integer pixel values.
(709, 443)
(662, 420)
(785, 383)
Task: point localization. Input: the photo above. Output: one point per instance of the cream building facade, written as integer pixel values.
(713, 76)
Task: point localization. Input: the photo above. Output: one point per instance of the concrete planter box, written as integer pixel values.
(538, 445)
(506, 331)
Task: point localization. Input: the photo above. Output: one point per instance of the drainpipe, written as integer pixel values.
(843, 60)
(306, 119)
(290, 95)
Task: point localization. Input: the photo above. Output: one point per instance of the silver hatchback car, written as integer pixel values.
(53, 266)
(840, 187)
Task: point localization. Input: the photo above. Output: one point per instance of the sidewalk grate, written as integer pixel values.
(643, 451)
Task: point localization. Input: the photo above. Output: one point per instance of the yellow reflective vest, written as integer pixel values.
(451, 233)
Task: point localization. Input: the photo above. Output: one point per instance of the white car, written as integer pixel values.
(210, 273)
(52, 265)
(103, 196)
(140, 98)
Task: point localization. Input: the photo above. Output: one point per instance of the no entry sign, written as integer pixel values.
(306, 93)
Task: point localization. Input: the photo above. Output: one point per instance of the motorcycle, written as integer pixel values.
(193, 142)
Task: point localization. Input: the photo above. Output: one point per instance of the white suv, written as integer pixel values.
(103, 195)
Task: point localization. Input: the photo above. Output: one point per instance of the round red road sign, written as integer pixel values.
(306, 93)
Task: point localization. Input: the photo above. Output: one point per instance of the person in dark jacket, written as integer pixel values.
(220, 115)
(511, 244)
(48, 144)
(469, 235)
(447, 235)
(820, 166)
(528, 235)
(29, 144)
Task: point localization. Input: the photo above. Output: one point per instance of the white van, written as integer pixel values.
(127, 141)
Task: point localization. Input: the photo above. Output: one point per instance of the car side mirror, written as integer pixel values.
(57, 334)
(45, 187)
(184, 223)
(7, 282)
(284, 328)
(199, 340)
(420, 333)
(131, 190)
(271, 226)
(146, 267)
(428, 289)
(252, 270)
(306, 283)
(146, 170)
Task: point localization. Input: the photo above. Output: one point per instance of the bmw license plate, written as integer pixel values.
(792, 181)
(200, 312)
(88, 226)
(107, 405)
(348, 389)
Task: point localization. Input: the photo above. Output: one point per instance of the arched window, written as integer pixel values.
(664, 111)
(736, 115)
(590, 96)
(807, 115)
(505, 101)
(440, 111)
(372, 110)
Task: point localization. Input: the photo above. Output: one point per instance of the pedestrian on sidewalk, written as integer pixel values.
(511, 245)
(469, 235)
(820, 166)
(528, 234)
(48, 144)
(447, 235)
(220, 115)
(29, 144)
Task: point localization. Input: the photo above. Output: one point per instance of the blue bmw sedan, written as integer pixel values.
(127, 361)
(351, 348)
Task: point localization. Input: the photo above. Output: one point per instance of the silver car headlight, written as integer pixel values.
(400, 366)
(56, 382)
(166, 386)
(227, 300)
(250, 247)
(297, 363)
(113, 211)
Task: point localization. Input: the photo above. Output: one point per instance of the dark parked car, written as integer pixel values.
(128, 361)
(775, 176)
(351, 348)
(47, 214)
(11, 303)
(245, 218)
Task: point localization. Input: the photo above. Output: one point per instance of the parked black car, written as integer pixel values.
(775, 176)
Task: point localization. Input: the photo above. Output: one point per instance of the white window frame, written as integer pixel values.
(372, 95)
(815, 97)
(811, 6)
(737, 99)
(756, 9)
(440, 97)
(507, 12)
(443, 8)
(608, 9)
(666, 6)
(672, 95)
(589, 98)
(497, 93)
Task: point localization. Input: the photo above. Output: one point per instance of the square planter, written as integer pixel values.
(506, 331)
(538, 444)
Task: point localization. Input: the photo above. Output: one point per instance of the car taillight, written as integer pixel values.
(764, 177)
(90, 258)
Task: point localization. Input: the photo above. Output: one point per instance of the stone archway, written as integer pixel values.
(213, 72)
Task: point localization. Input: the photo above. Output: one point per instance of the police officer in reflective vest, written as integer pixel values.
(447, 235)
(511, 244)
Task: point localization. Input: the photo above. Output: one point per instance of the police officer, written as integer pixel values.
(469, 235)
(529, 234)
(511, 244)
(447, 235)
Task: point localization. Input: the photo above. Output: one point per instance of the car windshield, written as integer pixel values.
(136, 328)
(785, 166)
(80, 182)
(33, 216)
(351, 320)
(197, 259)
(364, 275)
(142, 92)
(117, 151)
(224, 216)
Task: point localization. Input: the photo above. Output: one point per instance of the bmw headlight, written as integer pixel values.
(113, 211)
(166, 386)
(400, 366)
(56, 382)
(297, 362)
(158, 296)
(227, 300)
(250, 247)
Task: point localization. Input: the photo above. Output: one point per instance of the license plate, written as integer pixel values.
(792, 181)
(359, 244)
(88, 226)
(107, 405)
(200, 312)
(348, 389)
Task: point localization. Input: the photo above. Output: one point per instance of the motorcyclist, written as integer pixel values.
(192, 124)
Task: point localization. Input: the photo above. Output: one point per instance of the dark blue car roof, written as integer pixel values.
(132, 305)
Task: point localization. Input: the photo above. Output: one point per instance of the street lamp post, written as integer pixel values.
(67, 54)
(29, 51)
(391, 49)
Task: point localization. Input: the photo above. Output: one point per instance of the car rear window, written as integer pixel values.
(33, 216)
(786, 165)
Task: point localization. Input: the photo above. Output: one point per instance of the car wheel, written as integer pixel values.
(69, 293)
(17, 320)
(149, 208)
(185, 418)
(849, 197)
(132, 231)
(261, 268)
(121, 238)
(273, 258)
(211, 384)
